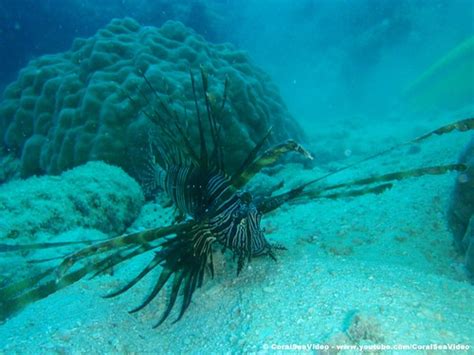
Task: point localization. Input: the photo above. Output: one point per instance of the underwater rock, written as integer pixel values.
(95, 195)
(461, 209)
(90, 102)
(469, 241)
(364, 327)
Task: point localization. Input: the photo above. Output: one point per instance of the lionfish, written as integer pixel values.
(219, 211)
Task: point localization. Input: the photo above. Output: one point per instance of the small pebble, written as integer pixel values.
(268, 289)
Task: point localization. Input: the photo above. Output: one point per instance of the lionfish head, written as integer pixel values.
(249, 238)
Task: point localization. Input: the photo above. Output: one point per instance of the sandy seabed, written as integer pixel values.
(376, 269)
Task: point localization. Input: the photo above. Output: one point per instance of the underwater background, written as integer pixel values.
(347, 79)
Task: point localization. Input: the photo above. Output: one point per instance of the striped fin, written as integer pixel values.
(152, 265)
(464, 125)
(170, 124)
(253, 165)
(430, 170)
(217, 156)
(274, 202)
(357, 192)
(16, 296)
(15, 288)
(138, 238)
(250, 158)
(35, 246)
(147, 166)
(178, 279)
(163, 121)
(117, 257)
(13, 304)
(184, 258)
(203, 161)
(461, 126)
(187, 188)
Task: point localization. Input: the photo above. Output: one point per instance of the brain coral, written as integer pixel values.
(69, 108)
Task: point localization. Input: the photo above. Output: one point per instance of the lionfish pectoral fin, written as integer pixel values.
(277, 246)
(253, 164)
(184, 258)
(19, 294)
(378, 189)
(124, 241)
(237, 178)
(383, 181)
(18, 287)
(164, 277)
(152, 265)
(461, 126)
(29, 292)
(274, 202)
(189, 287)
(6, 248)
(177, 280)
(240, 263)
(118, 257)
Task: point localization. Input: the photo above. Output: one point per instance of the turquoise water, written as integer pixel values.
(347, 79)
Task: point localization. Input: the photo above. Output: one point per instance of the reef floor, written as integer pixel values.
(375, 269)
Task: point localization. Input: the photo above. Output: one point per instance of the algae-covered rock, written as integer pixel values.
(468, 242)
(448, 84)
(461, 209)
(69, 108)
(95, 195)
